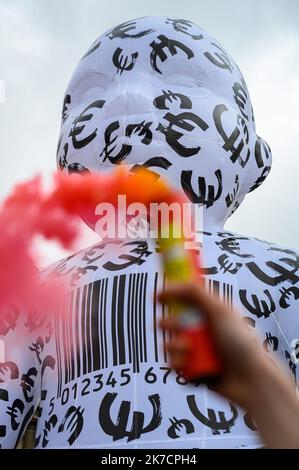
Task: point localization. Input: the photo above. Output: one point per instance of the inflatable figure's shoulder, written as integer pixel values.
(105, 259)
(262, 279)
(232, 253)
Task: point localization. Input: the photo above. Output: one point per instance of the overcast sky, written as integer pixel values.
(41, 42)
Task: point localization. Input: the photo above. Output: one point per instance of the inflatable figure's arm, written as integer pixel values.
(288, 319)
(286, 314)
(21, 352)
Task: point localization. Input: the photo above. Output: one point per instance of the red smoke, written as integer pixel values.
(30, 210)
(23, 215)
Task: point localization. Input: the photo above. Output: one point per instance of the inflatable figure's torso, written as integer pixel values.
(105, 378)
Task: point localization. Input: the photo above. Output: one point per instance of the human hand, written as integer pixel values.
(243, 359)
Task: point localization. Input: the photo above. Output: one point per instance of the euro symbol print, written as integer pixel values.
(118, 429)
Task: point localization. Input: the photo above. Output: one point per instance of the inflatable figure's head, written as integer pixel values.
(163, 93)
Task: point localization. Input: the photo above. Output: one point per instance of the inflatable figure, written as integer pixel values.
(162, 93)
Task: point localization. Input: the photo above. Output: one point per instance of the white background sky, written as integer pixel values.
(41, 42)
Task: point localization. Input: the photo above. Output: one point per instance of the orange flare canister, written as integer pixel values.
(182, 265)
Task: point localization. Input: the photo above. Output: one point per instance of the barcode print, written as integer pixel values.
(135, 312)
(106, 324)
(81, 336)
(222, 290)
(115, 321)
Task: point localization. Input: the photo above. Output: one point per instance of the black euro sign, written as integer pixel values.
(81, 272)
(258, 307)
(206, 195)
(231, 245)
(224, 234)
(248, 420)
(122, 31)
(186, 121)
(11, 367)
(262, 152)
(61, 269)
(216, 425)
(118, 429)
(234, 207)
(62, 160)
(241, 97)
(3, 397)
(78, 127)
(8, 320)
(66, 102)
(208, 271)
(38, 414)
(229, 199)
(78, 169)
(73, 421)
(272, 341)
(160, 101)
(171, 45)
(261, 178)
(15, 412)
(228, 265)
(28, 383)
(220, 58)
(135, 256)
(109, 147)
(287, 294)
(90, 255)
(48, 361)
(236, 143)
(156, 162)
(49, 425)
(38, 348)
(34, 321)
(182, 26)
(286, 251)
(284, 274)
(295, 353)
(123, 63)
(142, 129)
(178, 426)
